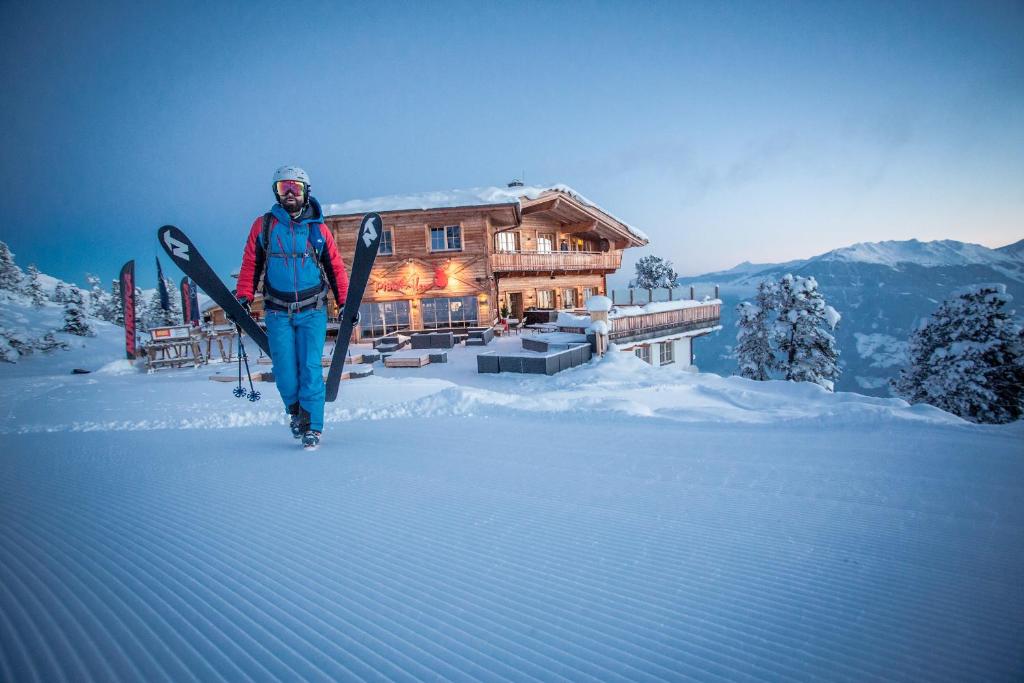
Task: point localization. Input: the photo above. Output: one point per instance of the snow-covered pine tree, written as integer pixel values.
(33, 287)
(100, 305)
(174, 300)
(10, 273)
(155, 316)
(13, 344)
(60, 293)
(653, 272)
(967, 358)
(754, 354)
(808, 349)
(75, 319)
(48, 343)
(116, 305)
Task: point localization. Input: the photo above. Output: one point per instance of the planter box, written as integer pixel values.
(487, 362)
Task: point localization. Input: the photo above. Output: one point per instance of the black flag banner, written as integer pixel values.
(126, 281)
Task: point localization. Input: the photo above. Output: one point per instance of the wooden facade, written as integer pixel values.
(461, 266)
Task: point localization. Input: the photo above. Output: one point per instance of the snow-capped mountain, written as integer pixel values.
(882, 290)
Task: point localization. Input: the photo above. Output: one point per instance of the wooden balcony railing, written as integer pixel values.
(543, 262)
(692, 318)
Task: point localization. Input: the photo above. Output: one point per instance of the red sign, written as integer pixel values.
(412, 283)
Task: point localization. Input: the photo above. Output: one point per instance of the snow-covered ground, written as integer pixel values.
(614, 522)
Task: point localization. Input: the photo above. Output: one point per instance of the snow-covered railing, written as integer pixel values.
(508, 261)
(624, 322)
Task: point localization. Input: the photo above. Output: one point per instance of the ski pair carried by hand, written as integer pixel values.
(186, 256)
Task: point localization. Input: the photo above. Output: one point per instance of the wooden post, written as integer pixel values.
(630, 296)
(691, 292)
(669, 293)
(716, 292)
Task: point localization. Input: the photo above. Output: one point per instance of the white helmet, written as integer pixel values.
(291, 173)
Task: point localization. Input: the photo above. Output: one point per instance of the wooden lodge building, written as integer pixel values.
(457, 259)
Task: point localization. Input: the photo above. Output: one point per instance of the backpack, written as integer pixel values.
(315, 243)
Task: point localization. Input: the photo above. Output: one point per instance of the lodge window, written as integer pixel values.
(643, 353)
(446, 238)
(449, 312)
(668, 353)
(387, 244)
(506, 241)
(545, 243)
(545, 298)
(380, 318)
(568, 298)
(587, 293)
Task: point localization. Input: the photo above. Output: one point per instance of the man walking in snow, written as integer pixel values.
(294, 253)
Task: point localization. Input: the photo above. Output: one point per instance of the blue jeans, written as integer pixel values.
(296, 347)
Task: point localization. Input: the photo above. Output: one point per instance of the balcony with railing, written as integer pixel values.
(633, 327)
(633, 323)
(555, 261)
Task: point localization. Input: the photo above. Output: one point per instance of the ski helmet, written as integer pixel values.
(291, 173)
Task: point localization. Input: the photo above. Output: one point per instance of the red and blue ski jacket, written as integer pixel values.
(298, 260)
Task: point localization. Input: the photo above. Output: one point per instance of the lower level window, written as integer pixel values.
(643, 353)
(386, 317)
(458, 311)
(568, 298)
(545, 298)
(668, 353)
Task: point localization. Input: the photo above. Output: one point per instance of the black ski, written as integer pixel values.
(367, 242)
(191, 262)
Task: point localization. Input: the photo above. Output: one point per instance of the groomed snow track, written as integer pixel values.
(558, 550)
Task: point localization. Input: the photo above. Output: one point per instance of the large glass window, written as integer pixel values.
(385, 317)
(545, 243)
(506, 241)
(387, 245)
(453, 311)
(568, 298)
(447, 238)
(545, 298)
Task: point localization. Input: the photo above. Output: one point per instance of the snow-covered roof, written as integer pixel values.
(474, 196)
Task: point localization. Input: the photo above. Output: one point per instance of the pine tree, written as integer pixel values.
(10, 273)
(48, 343)
(117, 305)
(653, 272)
(967, 358)
(75, 319)
(60, 293)
(808, 349)
(100, 304)
(33, 287)
(754, 353)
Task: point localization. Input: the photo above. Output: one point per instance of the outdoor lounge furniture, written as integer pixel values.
(479, 336)
(533, 362)
(432, 340)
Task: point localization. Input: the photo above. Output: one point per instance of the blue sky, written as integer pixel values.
(753, 131)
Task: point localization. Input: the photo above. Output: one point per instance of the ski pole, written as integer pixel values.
(239, 391)
(243, 357)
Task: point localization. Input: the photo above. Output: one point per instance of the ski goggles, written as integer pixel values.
(283, 187)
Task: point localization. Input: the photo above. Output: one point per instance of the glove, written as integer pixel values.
(246, 304)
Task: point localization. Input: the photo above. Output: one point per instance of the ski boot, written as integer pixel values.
(299, 422)
(310, 440)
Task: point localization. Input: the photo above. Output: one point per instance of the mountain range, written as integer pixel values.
(882, 289)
